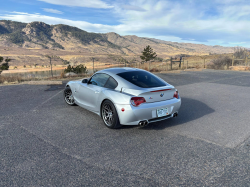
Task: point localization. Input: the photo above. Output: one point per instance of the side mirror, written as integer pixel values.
(85, 80)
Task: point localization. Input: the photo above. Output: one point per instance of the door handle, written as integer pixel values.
(97, 92)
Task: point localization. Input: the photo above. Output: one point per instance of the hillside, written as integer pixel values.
(38, 38)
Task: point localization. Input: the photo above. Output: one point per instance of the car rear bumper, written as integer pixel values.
(146, 111)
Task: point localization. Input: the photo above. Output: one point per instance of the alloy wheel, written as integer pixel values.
(69, 97)
(108, 114)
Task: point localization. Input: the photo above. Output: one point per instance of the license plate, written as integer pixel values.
(162, 112)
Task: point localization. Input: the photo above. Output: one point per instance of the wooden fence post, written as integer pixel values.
(171, 62)
(233, 61)
(183, 65)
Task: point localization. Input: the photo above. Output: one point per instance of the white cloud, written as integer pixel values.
(14, 12)
(168, 20)
(52, 11)
(135, 8)
(189, 20)
(79, 3)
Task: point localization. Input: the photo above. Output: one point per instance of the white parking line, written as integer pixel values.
(46, 101)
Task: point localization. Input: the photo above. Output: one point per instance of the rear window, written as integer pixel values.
(142, 79)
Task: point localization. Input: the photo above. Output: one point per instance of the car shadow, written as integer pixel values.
(190, 110)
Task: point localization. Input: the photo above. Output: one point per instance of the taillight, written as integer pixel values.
(136, 101)
(176, 95)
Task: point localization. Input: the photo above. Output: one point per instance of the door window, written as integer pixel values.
(99, 79)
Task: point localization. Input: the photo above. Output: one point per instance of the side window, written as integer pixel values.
(99, 79)
(111, 83)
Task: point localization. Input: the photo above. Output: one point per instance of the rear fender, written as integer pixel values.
(115, 97)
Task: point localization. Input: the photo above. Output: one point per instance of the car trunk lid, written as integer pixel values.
(153, 94)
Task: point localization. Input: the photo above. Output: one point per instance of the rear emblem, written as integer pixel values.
(162, 94)
(151, 98)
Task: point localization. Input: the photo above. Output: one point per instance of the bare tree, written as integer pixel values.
(240, 52)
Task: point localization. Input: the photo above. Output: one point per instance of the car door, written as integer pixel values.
(88, 94)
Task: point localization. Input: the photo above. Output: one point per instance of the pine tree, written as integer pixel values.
(147, 55)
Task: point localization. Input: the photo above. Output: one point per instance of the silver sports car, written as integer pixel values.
(125, 96)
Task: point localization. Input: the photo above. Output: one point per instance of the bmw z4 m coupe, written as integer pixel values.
(125, 96)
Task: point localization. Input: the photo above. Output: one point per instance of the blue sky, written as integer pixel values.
(214, 22)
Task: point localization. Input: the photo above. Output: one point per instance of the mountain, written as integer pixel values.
(39, 35)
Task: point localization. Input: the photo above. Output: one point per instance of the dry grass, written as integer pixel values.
(62, 75)
(19, 79)
(14, 79)
(239, 68)
(155, 70)
(103, 62)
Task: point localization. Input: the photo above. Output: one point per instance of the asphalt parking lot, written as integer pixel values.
(45, 142)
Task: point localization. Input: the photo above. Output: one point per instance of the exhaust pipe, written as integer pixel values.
(143, 123)
(175, 114)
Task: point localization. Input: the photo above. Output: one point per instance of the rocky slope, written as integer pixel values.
(39, 35)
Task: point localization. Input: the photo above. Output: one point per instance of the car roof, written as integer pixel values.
(115, 71)
(122, 83)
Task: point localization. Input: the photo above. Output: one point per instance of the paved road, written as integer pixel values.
(45, 142)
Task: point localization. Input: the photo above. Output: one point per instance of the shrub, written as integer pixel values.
(57, 45)
(80, 69)
(154, 70)
(159, 59)
(240, 53)
(62, 75)
(220, 63)
(197, 66)
(4, 66)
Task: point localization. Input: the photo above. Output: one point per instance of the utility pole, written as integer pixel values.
(50, 57)
(93, 64)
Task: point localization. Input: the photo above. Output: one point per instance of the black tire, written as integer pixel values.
(68, 96)
(109, 115)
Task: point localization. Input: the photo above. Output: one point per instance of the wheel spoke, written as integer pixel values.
(106, 108)
(110, 121)
(68, 93)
